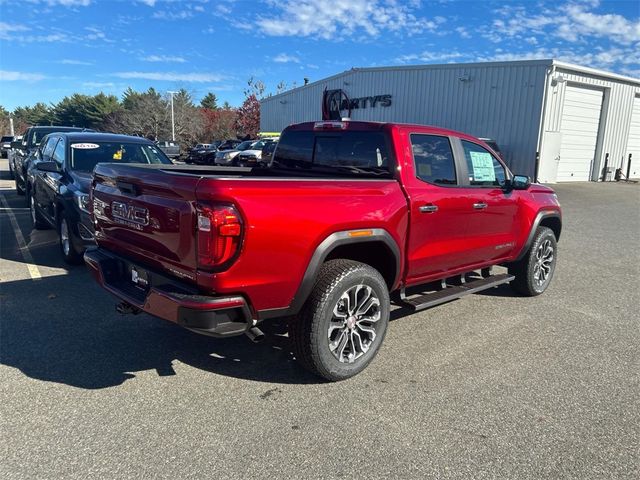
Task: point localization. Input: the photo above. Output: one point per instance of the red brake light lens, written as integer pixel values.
(219, 235)
(330, 125)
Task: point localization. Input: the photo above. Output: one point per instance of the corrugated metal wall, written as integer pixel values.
(615, 118)
(498, 100)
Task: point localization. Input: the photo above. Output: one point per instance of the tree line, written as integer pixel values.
(148, 114)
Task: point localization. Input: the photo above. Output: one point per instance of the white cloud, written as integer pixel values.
(11, 76)
(339, 18)
(571, 22)
(430, 56)
(285, 58)
(163, 59)
(171, 76)
(7, 28)
(99, 84)
(167, 15)
(150, 3)
(462, 31)
(68, 61)
(63, 3)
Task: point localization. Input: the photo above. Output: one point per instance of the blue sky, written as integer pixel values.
(53, 48)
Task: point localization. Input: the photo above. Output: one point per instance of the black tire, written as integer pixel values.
(309, 331)
(39, 223)
(69, 253)
(538, 262)
(19, 188)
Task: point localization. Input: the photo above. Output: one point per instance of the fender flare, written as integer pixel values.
(320, 254)
(534, 227)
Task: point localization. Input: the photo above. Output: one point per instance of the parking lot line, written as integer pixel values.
(22, 245)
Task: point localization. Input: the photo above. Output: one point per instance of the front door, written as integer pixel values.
(492, 226)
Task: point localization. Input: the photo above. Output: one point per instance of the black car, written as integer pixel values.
(5, 145)
(59, 179)
(23, 154)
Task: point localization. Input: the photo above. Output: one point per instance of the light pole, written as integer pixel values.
(173, 123)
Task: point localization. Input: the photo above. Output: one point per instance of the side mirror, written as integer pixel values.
(520, 182)
(48, 166)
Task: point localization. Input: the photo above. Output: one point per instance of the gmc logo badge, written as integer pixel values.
(130, 213)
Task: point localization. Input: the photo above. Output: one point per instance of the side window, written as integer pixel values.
(47, 149)
(484, 169)
(58, 153)
(433, 159)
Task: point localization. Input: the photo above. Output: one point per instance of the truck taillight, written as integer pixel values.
(219, 235)
(330, 125)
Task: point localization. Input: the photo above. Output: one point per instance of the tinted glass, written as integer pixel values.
(86, 155)
(350, 152)
(433, 159)
(484, 169)
(245, 145)
(47, 148)
(58, 153)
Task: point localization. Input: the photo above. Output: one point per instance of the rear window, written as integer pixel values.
(86, 155)
(345, 152)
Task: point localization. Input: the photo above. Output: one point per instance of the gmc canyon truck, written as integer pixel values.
(347, 217)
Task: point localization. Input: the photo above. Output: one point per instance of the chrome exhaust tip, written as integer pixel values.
(255, 335)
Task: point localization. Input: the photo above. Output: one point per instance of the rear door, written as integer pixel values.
(440, 208)
(147, 214)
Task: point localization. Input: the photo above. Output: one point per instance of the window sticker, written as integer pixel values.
(482, 163)
(85, 146)
(424, 170)
(117, 155)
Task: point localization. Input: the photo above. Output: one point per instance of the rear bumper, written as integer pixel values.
(170, 299)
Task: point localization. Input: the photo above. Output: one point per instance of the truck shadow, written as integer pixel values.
(64, 329)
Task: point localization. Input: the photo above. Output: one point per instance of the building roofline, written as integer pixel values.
(545, 61)
(595, 71)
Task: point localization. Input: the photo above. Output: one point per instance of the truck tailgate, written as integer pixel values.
(140, 215)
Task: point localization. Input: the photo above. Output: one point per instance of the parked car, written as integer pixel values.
(253, 156)
(227, 157)
(198, 153)
(170, 148)
(23, 155)
(60, 176)
(5, 145)
(348, 216)
(493, 145)
(15, 144)
(229, 144)
(267, 153)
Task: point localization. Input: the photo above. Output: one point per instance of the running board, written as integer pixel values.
(451, 293)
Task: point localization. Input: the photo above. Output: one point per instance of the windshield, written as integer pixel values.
(39, 134)
(245, 145)
(85, 156)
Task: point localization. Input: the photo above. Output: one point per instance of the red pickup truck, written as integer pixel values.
(347, 217)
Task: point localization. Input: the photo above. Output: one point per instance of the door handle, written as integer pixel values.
(480, 206)
(428, 208)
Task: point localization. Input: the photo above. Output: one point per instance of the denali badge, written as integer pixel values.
(130, 213)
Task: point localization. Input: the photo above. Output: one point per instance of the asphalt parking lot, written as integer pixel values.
(490, 386)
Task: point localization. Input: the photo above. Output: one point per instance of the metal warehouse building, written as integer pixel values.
(573, 117)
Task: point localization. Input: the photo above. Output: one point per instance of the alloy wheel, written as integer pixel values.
(543, 267)
(352, 328)
(64, 237)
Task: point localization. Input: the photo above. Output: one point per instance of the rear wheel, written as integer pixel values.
(67, 238)
(37, 219)
(19, 186)
(534, 272)
(344, 321)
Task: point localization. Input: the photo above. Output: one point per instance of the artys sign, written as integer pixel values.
(336, 104)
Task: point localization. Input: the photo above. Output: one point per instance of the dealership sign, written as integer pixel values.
(336, 104)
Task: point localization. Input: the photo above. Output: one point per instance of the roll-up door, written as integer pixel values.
(579, 126)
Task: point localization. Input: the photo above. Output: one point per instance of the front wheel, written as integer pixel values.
(342, 324)
(534, 272)
(66, 236)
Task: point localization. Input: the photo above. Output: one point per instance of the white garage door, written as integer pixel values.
(579, 127)
(633, 144)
